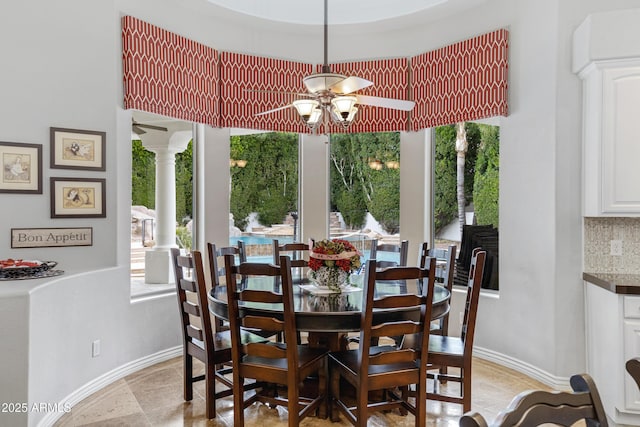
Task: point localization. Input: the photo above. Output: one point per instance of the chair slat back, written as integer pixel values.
(418, 327)
(448, 272)
(533, 408)
(298, 253)
(240, 316)
(402, 250)
(216, 268)
(445, 275)
(215, 255)
(192, 298)
(473, 295)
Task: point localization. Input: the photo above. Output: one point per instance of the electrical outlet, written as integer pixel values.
(616, 247)
(461, 317)
(95, 348)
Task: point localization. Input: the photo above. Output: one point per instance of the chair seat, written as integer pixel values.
(381, 348)
(350, 360)
(451, 346)
(222, 340)
(306, 356)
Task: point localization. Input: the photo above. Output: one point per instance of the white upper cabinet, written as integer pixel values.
(611, 138)
(609, 65)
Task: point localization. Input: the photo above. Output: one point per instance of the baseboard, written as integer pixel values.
(557, 383)
(108, 378)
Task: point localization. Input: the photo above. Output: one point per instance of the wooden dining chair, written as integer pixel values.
(449, 351)
(401, 251)
(199, 339)
(385, 368)
(284, 363)
(216, 270)
(533, 408)
(633, 368)
(444, 275)
(298, 252)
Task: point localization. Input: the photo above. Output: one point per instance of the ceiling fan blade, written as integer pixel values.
(279, 92)
(273, 110)
(142, 125)
(350, 84)
(376, 101)
(137, 130)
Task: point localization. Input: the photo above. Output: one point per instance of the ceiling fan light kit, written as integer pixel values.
(332, 96)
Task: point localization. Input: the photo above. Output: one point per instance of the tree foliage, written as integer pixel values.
(361, 177)
(487, 174)
(184, 184)
(143, 176)
(361, 181)
(268, 184)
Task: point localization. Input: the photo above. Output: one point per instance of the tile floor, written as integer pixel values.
(153, 397)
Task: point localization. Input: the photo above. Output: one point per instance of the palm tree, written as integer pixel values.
(461, 151)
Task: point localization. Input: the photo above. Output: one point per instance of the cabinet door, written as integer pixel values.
(620, 143)
(631, 349)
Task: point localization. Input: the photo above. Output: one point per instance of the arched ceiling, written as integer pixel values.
(310, 12)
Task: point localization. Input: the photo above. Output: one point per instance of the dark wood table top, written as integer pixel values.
(333, 312)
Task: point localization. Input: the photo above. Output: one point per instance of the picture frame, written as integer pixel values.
(21, 168)
(78, 197)
(78, 149)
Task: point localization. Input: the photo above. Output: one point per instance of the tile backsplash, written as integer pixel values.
(598, 234)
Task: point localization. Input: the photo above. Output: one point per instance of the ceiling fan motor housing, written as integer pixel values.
(317, 83)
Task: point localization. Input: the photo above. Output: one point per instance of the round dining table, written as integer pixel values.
(329, 317)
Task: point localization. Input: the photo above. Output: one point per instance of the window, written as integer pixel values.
(264, 191)
(479, 186)
(365, 188)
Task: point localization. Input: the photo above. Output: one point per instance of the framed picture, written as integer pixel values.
(78, 198)
(21, 168)
(78, 149)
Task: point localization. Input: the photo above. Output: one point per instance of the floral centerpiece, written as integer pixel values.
(331, 263)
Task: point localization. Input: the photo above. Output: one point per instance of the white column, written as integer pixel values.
(416, 190)
(314, 187)
(197, 230)
(165, 146)
(215, 152)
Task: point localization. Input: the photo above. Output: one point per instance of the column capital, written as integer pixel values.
(172, 142)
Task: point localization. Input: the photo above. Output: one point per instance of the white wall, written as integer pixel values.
(62, 67)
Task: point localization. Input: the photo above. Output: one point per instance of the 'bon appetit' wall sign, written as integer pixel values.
(51, 237)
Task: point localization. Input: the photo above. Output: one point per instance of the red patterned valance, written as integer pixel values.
(461, 82)
(250, 85)
(390, 79)
(168, 74)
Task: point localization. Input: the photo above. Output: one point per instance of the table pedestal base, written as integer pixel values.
(332, 341)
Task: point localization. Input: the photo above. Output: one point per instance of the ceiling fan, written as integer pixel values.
(137, 128)
(334, 96)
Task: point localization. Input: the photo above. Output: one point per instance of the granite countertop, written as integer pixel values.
(617, 283)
